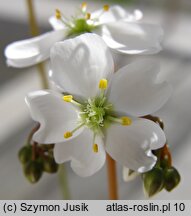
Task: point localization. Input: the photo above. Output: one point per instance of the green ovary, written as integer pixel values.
(94, 113)
(80, 26)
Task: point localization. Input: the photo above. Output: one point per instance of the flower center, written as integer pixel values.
(96, 114)
(82, 23)
(80, 26)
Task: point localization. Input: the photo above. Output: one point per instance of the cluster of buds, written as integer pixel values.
(163, 175)
(36, 159)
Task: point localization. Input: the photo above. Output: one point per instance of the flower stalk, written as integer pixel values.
(34, 29)
(112, 178)
(31, 134)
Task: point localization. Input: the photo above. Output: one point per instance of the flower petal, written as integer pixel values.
(32, 51)
(114, 14)
(56, 23)
(132, 38)
(131, 145)
(135, 90)
(78, 64)
(135, 16)
(84, 161)
(54, 115)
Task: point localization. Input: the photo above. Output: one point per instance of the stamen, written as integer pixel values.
(58, 14)
(67, 98)
(103, 84)
(62, 18)
(84, 7)
(126, 121)
(95, 148)
(68, 134)
(77, 128)
(88, 16)
(106, 7)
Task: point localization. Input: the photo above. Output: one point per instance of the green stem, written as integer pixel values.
(62, 174)
(42, 75)
(32, 133)
(34, 29)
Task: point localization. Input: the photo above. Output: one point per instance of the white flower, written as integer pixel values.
(100, 109)
(119, 29)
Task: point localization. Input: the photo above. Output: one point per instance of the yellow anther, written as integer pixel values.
(84, 6)
(88, 16)
(58, 14)
(67, 98)
(95, 148)
(67, 135)
(103, 84)
(106, 7)
(126, 121)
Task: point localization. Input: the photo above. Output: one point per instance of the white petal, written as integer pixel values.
(56, 23)
(136, 91)
(114, 14)
(84, 161)
(55, 116)
(132, 38)
(135, 16)
(78, 64)
(32, 51)
(131, 145)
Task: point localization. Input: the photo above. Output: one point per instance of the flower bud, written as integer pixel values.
(49, 165)
(153, 181)
(33, 171)
(46, 147)
(165, 161)
(172, 178)
(25, 154)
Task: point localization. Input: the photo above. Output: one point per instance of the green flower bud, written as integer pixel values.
(33, 171)
(49, 165)
(25, 154)
(153, 181)
(172, 178)
(46, 147)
